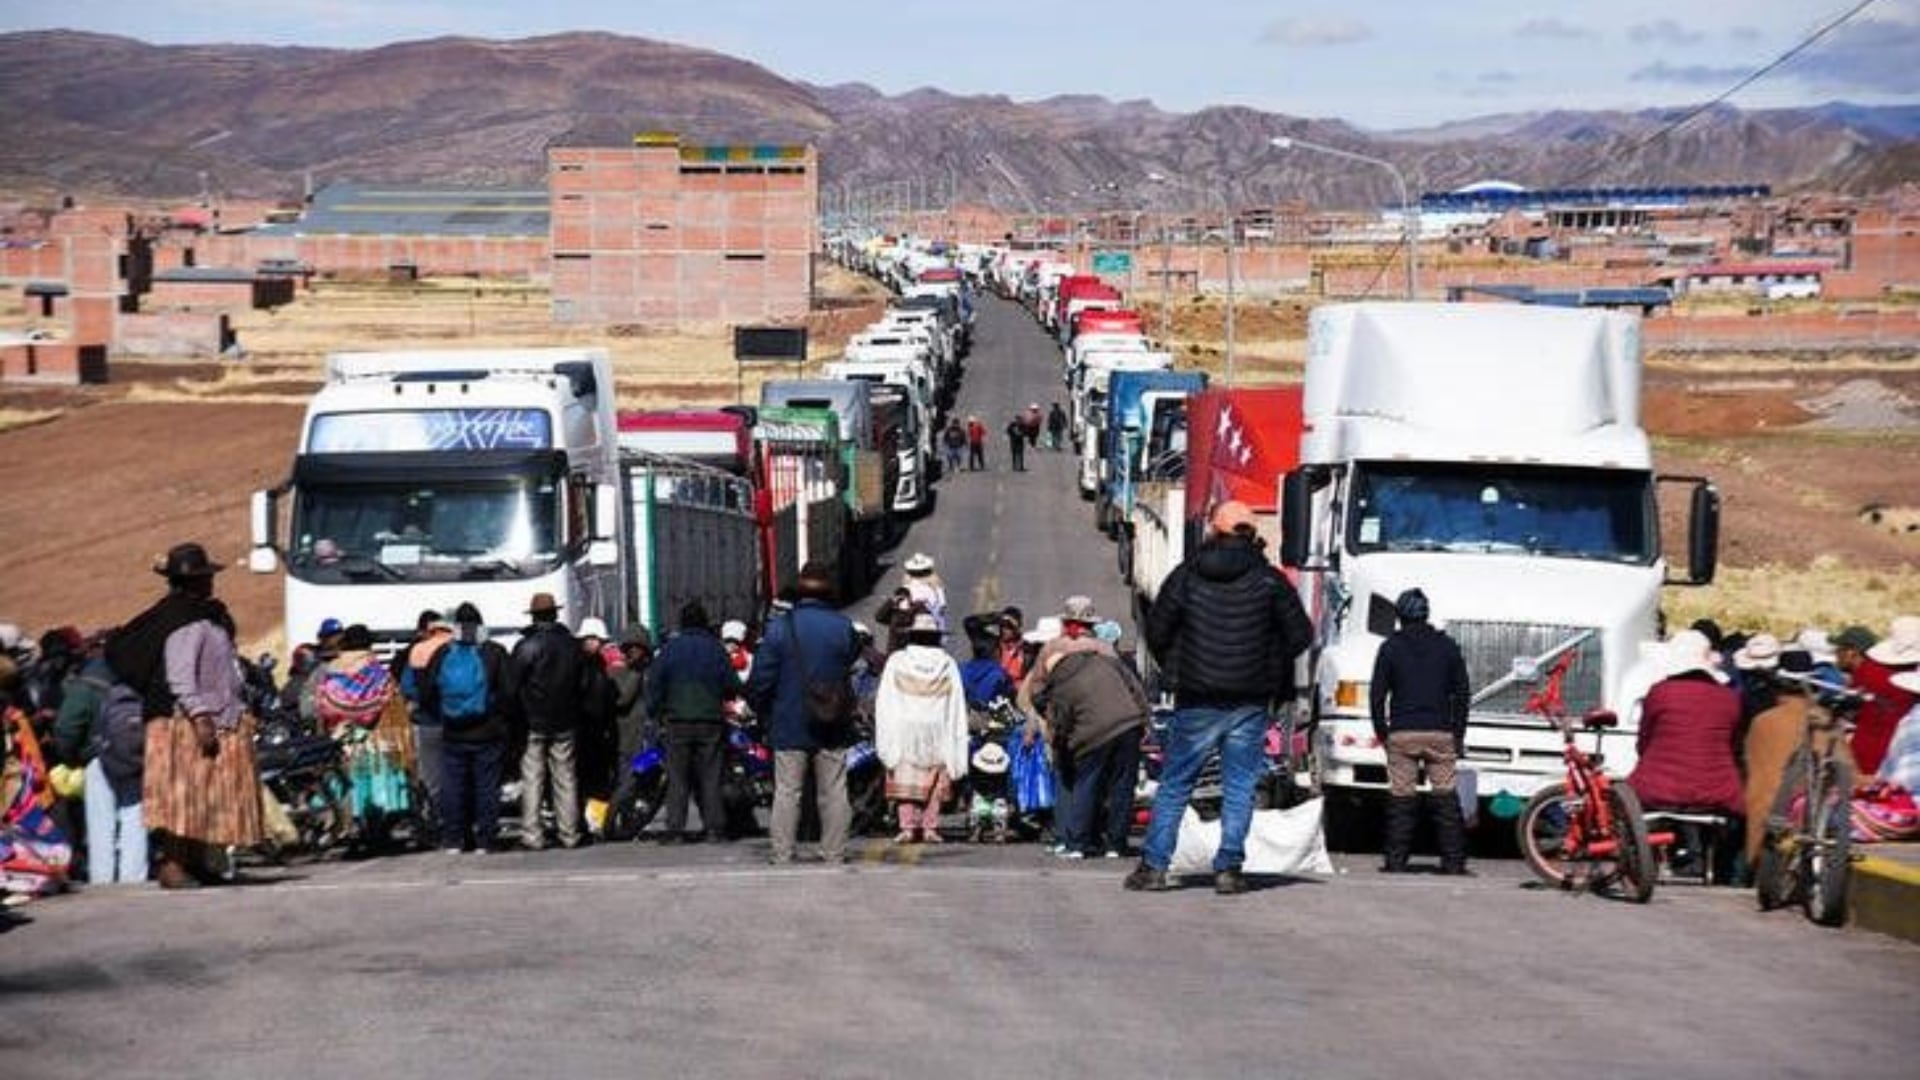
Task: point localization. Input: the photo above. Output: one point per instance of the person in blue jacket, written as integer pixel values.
(813, 645)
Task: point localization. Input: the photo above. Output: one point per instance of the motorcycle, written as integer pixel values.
(746, 786)
(303, 770)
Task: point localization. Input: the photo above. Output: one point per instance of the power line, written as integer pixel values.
(1767, 69)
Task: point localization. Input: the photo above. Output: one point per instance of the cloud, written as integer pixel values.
(1664, 32)
(1746, 35)
(1500, 78)
(1314, 31)
(1550, 27)
(1875, 55)
(1689, 74)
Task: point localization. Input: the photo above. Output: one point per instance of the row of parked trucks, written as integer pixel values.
(423, 480)
(1491, 455)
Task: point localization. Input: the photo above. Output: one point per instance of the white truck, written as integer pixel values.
(1491, 455)
(427, 479)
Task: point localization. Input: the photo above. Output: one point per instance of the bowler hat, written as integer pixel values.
(187, 561)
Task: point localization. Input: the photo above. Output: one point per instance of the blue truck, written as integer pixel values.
(1144, 424)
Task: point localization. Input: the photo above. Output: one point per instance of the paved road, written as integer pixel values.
(702, 961)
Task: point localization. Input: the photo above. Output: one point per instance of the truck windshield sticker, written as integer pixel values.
(430, 429)
(1370, 530)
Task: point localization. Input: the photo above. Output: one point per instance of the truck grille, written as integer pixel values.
(1491, 649)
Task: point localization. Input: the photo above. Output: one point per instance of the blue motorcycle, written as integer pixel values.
(746, 787)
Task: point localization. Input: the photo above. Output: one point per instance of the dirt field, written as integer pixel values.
(1818, 459)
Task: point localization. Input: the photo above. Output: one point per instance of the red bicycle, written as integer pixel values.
(1588, 831)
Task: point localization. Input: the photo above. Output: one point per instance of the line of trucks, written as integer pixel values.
(426, 479)
(1489, 454)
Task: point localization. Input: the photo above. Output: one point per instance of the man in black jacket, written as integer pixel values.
(1419, 703)
(688, 689)
(1227, 627)
(550, 681)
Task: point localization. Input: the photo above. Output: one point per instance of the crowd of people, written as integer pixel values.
(141, 741)
(1027, 429)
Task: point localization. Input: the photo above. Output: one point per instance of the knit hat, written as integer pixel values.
(1412, 606)
(1229, 516)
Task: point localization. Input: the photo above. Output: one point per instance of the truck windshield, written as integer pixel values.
(493, 527)
(1604, 514)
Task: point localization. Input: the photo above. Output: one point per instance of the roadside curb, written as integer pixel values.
(1884, 896)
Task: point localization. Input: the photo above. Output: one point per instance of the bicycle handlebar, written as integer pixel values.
(1838, 690)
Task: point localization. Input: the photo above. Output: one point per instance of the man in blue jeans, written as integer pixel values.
(1226, 628)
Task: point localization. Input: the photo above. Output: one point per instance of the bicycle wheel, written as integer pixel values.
(1542, 831)
(1830, 832)
(1634, 868)
(1776, 874)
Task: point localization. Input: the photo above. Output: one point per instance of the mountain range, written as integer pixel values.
(97, 114)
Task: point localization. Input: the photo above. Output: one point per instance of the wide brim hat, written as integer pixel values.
(1048, 628)
(1688, 652)
(924, 623)
(187, 561)
(1901, 646)
(1079, 609)
(542, 603)
(593, 627)
(1760, 653)
(1907, 680)
(918, 563)
(991, 759)
(1815, 643)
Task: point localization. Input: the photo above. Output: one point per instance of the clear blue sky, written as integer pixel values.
(1383, 64)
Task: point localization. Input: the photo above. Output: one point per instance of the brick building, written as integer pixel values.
(667, 234)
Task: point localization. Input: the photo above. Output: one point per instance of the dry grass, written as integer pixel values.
(22, 418)
(1782, 599)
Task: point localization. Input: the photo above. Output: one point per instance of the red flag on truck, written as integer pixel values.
(1239, 444)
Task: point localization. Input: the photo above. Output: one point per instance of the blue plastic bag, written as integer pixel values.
(1032, 774)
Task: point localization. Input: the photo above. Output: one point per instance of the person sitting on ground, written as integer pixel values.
(1873, 727)
(1771, 739)
(1689, 726)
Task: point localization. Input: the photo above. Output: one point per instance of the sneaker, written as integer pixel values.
(1112, 854)
(450, 851)
(1067, 853)
(1145, 878)
(1229, 883)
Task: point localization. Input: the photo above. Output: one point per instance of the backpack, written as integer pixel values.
(462, 682)
(353, 697)
(119, 741)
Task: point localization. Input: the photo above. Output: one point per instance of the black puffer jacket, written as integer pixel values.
(550, 679)
(1227, 627)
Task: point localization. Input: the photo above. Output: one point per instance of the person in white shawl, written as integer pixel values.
(920, 730)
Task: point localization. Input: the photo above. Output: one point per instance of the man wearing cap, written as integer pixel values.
(550, 680)
(473, 747)
(1419, 705)
(1850, 648)
(199, 791)
(1899, 652)
(688, 689)
(1227, 628)
(810, 648)
(432, 632)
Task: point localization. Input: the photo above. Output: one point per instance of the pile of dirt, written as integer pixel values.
(1862, 405)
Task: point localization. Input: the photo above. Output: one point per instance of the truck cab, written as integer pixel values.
(427, 479)
(1492, 456)
(1145, 420)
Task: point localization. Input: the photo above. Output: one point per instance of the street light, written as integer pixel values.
(1410, 222)
(1226, 218)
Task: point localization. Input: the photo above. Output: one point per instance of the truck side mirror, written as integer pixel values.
(264, 558)
(603, 550)
(1296, 518)
(1703, 529)
(1703, 534)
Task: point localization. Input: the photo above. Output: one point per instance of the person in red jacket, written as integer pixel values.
(1689, 728)
(976, 444)
(1873, 730)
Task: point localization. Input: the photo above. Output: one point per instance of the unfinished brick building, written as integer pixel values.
(664, 234)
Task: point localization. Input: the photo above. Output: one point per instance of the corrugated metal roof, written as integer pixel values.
(395, 210)
(221, 274)
(1761, 269)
